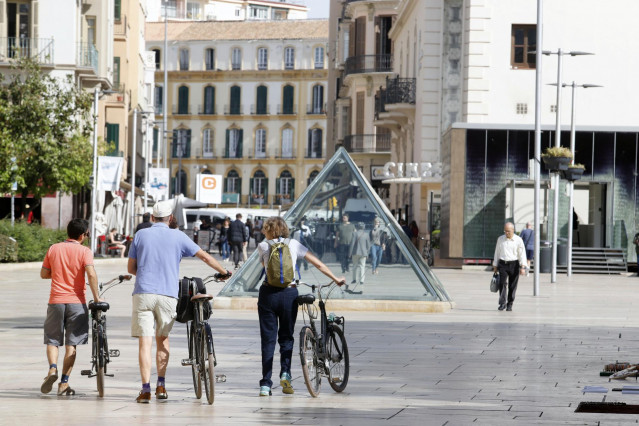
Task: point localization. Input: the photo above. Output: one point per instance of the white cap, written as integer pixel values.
(163, 209)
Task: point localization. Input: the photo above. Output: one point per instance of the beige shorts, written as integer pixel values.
(152, 309)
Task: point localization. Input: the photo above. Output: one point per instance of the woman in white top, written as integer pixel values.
(277, 304)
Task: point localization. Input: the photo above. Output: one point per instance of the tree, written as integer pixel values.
(45, 124)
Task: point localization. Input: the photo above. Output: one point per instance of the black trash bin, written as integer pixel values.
(545, 256)
(562, 251)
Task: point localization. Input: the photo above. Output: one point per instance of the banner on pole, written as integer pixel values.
(209, 189)
(159, 183)
(109, 172)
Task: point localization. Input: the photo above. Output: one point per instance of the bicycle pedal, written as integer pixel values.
(220, 378)
(110, 375)
(114, 353)
(85, 373)
(186, 362)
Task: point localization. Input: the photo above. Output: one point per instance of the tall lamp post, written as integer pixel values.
(571, 185)
(555, 177)
(537, 167)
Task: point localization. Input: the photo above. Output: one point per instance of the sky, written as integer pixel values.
(318, 8)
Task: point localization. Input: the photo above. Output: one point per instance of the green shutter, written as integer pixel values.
(156, 135)
(174, 144)
(240, 143)
(117, 10)
(292, 189)
(265, 190)
(319, 144)
(310, 143)
(226, 146)
(187, 148)
(235, 99)
(226, 184)
(113, 139)
(277, 186)
(209, 100)
(238, 187)
(287, 102)
(250, 187)
(261, 99)
(183, 100)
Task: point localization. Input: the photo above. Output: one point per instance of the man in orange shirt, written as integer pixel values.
(67, 321)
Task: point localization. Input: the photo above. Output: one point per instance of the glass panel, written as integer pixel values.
(604, 153)
(287, 143)
(341, 188)
(519, 36)
(519, 55)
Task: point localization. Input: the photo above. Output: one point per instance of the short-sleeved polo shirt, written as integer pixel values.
(67, 262)
(158, 251)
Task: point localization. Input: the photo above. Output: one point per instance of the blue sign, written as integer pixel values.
(228, 198)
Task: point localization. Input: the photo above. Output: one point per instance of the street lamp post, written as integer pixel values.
(537, 168)
(555, 177)
(134, 155)
(571, 185)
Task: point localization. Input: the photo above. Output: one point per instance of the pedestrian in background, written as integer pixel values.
(360, 247)
(528, 237)
(237, 238)
(510, 262)
(67, 321)
(343, 238)
(146, 222)
(378, 244)
(224, 240)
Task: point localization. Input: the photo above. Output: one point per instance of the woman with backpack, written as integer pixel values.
(277, 298)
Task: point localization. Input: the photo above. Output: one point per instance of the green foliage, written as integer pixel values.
(45, 124)
(434, 238)
(8, 249)
(33, 241)
(554, 151)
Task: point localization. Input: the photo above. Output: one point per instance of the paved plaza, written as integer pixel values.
(472, 365)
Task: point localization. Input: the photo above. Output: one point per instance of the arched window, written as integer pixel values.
(259, 186)
(184, 59)
(319, 57)
(289, 58)
(288, 97)
(285, 186)
(260, 143)
(262, 95)
(312, 177)
(207, 143)
(235, 107)
(209, 100)
(236, 59)
(287, 143)
(183, 100)
(262, 58)
(318, 100)
(181, 143)
(233, 183)
(314, 143)
(233, 147)
(209, 59)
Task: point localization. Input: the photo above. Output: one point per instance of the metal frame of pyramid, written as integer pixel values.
(341, 180)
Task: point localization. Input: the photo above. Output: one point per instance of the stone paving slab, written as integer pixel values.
(473, 365)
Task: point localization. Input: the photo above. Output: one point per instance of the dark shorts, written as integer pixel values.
(68, 323)
(530, 254)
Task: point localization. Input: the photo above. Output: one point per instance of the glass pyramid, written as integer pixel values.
(340, 188)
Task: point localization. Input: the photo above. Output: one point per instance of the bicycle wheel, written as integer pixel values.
(431, 257)
(310, 363)
(208, 361)
(101, 361)
(193, 356)
(338, 362)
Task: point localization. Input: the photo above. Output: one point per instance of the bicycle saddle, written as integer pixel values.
(201, 296)
(307, 299)
(99, 306)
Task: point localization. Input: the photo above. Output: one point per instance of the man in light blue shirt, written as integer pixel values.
(154, 257)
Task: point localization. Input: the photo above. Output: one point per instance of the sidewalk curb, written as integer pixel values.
(38, 265)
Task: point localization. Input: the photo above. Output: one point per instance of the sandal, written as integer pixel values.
(49, 380)
(67, 391)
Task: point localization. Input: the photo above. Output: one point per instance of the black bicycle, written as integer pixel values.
(323, 354)
(200, 340)
(100, 353)
(428, 254)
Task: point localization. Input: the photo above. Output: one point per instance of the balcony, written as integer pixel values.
(290, 153)
(232, 109)
(316, 109)
(368, 143)
(397, 101)
(252, 154)
(38, 49)
(184, 110)
(120, 93)
(368, 64)
(206, 109)
(400, 90)
(87, 56)
(286, 110)
(260, 110)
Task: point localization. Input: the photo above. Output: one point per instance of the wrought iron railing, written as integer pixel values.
(87, 56)
(368, 143)
(368, 64)
(39, 49)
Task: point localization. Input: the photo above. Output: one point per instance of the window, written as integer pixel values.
(523, 41)
(113, 139)
(116, 72)
(237, 12)
(158, 99)
(262, 95)
(209, 100)
(258, 12)
(260, 143)
(181, 143)
(522, 109)
(91, 30)
(157, 58)
(319, 57)
(279, 14)
(289, 58)
(184, 59)
(288, 95)
(183, 100)
(236, 59)
(233, 147)
(209, 59)
(314, 143)
(117, 9)
(318, 100)
(207, 143)
(312, 177)
(193, 10)
(235, 107)
(258, 187)
(284, 185)
(156, 141)
(287, 143)
(262, 58)
(233, 183)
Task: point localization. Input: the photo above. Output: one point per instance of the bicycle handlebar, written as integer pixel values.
(217, 277)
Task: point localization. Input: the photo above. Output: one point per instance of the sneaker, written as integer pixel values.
(285, 382)
(160, 393)
(265, 391)
(143, 397)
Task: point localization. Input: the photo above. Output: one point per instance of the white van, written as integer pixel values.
(360, 210)
(214, 216)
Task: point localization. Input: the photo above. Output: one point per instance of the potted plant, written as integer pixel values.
(574, 172)
(557, 158)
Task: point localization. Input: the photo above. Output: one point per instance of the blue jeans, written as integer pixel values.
(226, 250)
(276, 305)
(376, 256)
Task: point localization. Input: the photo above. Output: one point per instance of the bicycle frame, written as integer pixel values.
(338, 321)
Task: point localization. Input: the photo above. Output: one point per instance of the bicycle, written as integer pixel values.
(200, 340)
(324, 354)
(428, 254)
(100, 353)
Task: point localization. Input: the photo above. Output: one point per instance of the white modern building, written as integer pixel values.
(226, 10)
(246, 100)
